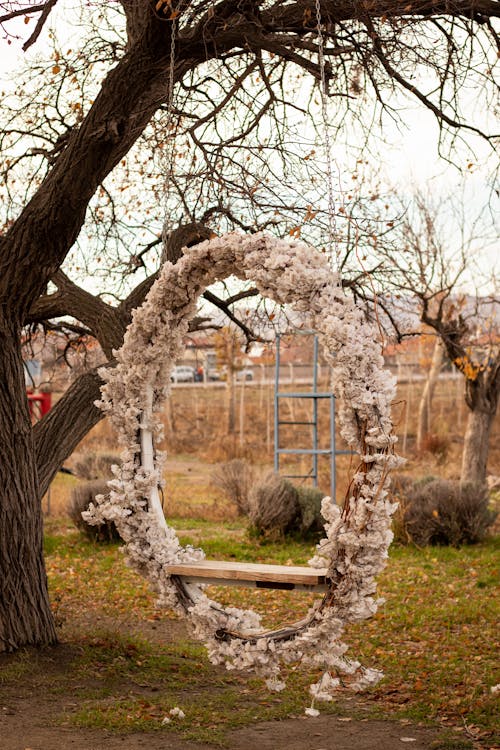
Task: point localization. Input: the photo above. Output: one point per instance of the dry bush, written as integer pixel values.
(277, 508)
(400, 486)
(440, 511)
(81, 497)
(437, 445)
(95, 465)
(274, 506)
(236, 479)
(311, 520)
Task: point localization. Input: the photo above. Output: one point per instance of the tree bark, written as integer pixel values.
(66, 424)
(476, 446)
(482, 391)
(425, 405)
(25, 616)
(31, 251)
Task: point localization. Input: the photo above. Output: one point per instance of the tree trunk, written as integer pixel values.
(476, 446)
(25, 616)
(482, 392)
(231, 401)
(425, 405)
(66, 424)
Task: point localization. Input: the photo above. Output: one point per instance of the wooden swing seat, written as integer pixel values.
(221, 573)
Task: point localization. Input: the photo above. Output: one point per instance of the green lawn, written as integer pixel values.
(435, 638)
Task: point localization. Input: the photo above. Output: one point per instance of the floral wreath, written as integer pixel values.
(357, 536)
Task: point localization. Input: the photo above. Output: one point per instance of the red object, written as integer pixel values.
(39, 404)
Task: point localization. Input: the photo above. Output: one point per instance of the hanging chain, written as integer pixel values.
(170, 134)
(333, 246)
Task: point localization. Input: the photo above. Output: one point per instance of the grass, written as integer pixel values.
(126, 664)
(86, 576)
(435, 637)
(163, 677)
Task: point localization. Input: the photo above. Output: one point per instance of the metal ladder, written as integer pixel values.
(315, 396)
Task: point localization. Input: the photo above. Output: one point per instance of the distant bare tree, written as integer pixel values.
(425, 405)
(426, 268)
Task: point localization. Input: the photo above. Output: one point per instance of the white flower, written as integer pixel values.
(177, 712)
(275, 685)
(310, 711)
(355, 546)
(325, 687)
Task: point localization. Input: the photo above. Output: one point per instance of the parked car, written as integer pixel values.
(214, 374)
(245, 374)
(182, 374)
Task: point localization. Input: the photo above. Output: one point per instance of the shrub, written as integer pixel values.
(440, 511)
(236, 479)
(277, 508)
(401, 485)
(274, 506)
(436, 445)
(311, 520)
(95, 465)
(81, 497)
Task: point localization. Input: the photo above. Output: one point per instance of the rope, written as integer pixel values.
(170, 141)
(333, 247)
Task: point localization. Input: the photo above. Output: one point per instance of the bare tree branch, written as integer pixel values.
(40, 23)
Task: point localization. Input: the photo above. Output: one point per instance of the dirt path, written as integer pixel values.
(33, 716)
(39, 697)
(26, 727)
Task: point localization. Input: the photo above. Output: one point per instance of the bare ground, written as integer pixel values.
(26, 724)
(26, 729)
(34, 718)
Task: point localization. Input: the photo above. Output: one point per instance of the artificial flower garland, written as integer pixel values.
(357, 536)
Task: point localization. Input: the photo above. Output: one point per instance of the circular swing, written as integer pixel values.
(357, 537)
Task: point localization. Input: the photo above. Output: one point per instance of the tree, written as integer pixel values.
(229, 350)
(478, 359)
(425, 404)
(427, 271)
(229, 57)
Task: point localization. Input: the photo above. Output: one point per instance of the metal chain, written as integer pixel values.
(334, 250)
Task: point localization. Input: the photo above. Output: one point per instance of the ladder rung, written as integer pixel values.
(299, 476)
(311, 451)
(304, 395)
(287, 422)
(320, 452)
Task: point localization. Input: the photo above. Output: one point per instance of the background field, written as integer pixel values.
(196, 438)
